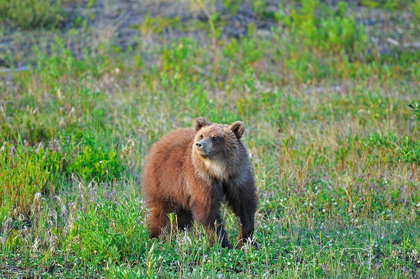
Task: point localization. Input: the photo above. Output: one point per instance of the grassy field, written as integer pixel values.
(332, 128)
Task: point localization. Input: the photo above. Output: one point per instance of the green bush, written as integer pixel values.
(320, 28)
(25, 172)
(94, 161)
(111, 232)
(377, 140)
(28, 14)
(390, 5)
(410, 151)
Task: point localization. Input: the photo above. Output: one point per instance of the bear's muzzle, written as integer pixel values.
(203, 148)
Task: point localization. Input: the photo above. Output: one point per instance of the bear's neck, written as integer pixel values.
(217, 169)
(212, 168)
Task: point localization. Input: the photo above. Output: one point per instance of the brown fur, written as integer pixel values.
(190, 171)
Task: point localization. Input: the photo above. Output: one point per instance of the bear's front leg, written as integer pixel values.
(242, 199)
(208, 215)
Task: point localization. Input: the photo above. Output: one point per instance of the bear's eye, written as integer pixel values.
(214, 138)
(201, 136)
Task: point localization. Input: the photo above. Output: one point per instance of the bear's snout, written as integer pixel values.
(201, 145)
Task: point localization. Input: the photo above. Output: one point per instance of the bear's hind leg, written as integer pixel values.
(158, 220)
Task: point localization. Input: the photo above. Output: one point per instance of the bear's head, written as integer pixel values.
(217, 140)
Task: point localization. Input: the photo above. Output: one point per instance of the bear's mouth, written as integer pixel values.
(203, 153)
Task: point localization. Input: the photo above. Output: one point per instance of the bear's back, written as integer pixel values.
(176, 140)
(167, 163)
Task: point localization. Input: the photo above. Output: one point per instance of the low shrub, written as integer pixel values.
(111, 232)
(28, 14)
(25, 172)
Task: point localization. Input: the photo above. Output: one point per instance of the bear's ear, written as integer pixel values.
(200, 123)
(238, 128)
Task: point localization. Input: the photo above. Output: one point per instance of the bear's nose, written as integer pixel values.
(200, 144)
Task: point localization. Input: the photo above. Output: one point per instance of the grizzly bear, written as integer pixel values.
(189, 172)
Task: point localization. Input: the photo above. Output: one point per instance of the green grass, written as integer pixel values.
(30, 14)
(333, 138)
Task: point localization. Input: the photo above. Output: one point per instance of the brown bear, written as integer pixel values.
(190, 171)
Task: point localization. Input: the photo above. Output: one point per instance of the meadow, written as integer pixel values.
(332, 128)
